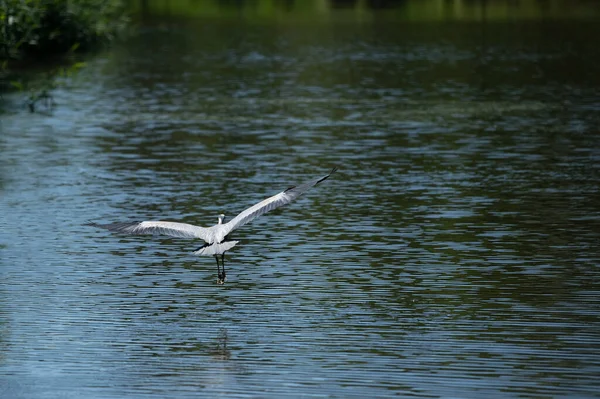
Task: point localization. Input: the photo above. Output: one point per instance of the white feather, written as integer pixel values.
(214, 235)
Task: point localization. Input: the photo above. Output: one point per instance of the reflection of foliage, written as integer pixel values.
(40, 91)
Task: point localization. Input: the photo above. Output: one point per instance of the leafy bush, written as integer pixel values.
(42, 27)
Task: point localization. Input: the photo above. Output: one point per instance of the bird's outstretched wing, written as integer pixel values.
(283, 198)
(173, 229)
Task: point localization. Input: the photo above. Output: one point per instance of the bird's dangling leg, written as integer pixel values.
(223, 262)
(219, 280)
(220, 274)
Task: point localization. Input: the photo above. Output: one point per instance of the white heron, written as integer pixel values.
(216, 237)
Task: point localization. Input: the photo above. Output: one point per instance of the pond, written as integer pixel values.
(455, 253)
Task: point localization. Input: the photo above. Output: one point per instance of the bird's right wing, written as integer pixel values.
(283, 198)
(173, 229)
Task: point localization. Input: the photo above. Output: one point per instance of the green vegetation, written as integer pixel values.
(325, 11)
(48, 27)
(33, 31)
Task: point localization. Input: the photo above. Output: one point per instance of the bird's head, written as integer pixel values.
(221, 218)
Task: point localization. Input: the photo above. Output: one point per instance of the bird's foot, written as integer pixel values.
(221, 278)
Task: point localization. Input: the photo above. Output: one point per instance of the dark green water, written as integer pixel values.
(456, 253)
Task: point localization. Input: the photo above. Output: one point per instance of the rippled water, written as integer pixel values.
(455, 253)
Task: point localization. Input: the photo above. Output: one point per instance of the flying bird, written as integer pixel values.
(216, 238)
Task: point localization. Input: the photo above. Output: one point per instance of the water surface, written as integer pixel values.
(454, 254)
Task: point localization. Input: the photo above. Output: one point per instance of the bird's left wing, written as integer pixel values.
(283, 198)
(173, 229)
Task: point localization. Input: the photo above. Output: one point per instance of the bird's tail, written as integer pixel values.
(215, 249)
